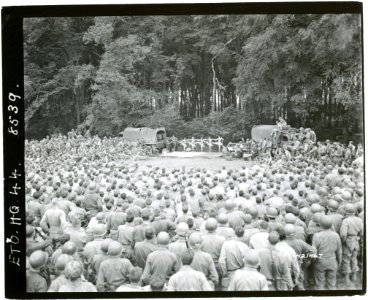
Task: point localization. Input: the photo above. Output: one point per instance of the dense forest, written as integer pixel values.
(204, 75)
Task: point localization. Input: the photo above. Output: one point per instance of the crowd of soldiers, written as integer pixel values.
(97, 225)
(78, 147)
(302, 143)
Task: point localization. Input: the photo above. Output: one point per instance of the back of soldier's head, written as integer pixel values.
(157, 283)
(251, 260)
(187, 257)
(212, 213)
(248, 219)
(190, 223)
(149, 233)
(325, 221)
(146, 214)
(273, 237)
(29, 231)
(239, 231)
(263, 225)
(135, 274)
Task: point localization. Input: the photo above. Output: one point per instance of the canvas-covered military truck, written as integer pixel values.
(153, 138)
(273, 133)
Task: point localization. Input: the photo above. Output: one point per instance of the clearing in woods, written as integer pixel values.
(209, 161)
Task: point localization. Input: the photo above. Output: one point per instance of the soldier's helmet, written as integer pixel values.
(62, 260)
(114, 249)
(251, 259)
(229, 205)
(73, 270)
(222, 218)
(182, 229)
(99, 229)
(289, 229)
(163, 238)
(211, 224)
(333, 205)
(349, 209)
(272, 212)
(325, 222)
(105, 245)
(290, 218)
(38, 259)
(69, 248)
(315, 207)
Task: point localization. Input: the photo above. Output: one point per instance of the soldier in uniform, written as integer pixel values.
(231, 257)
(212, 242)
(329, 255)
(249, 278)
(223, 227)
(274, 265)
(202, 261)
(36, 282)
(181, 244)
(113, 271)
(161, 262)
(144, 248)
(188, 279)
(60, 278)
(350, 232)
(73, 272)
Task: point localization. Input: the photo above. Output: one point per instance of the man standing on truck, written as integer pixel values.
(281, 123)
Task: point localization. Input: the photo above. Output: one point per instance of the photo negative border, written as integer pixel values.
(13, 128)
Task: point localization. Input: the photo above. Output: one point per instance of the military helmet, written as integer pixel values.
(69, 248)
(105, 245)
(38, 259)
(290, 218)
(325, 221)
(272, 212)
(73, 270)
(289, 230)
(229, 205)
(222, 218)
(114, 249)
(182, 229)
(333, 205)
(315, 207)
(62, 260)
(163, 238)
(99, 229)
(251, 259)
(349, 209)
(211, 224)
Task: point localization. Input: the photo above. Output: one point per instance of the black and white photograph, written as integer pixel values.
(187, 151)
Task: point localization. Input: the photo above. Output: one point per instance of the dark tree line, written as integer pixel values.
(195, 75)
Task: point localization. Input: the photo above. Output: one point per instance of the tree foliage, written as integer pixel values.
(204, 75)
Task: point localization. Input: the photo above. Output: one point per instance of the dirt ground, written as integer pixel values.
(211, 164)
